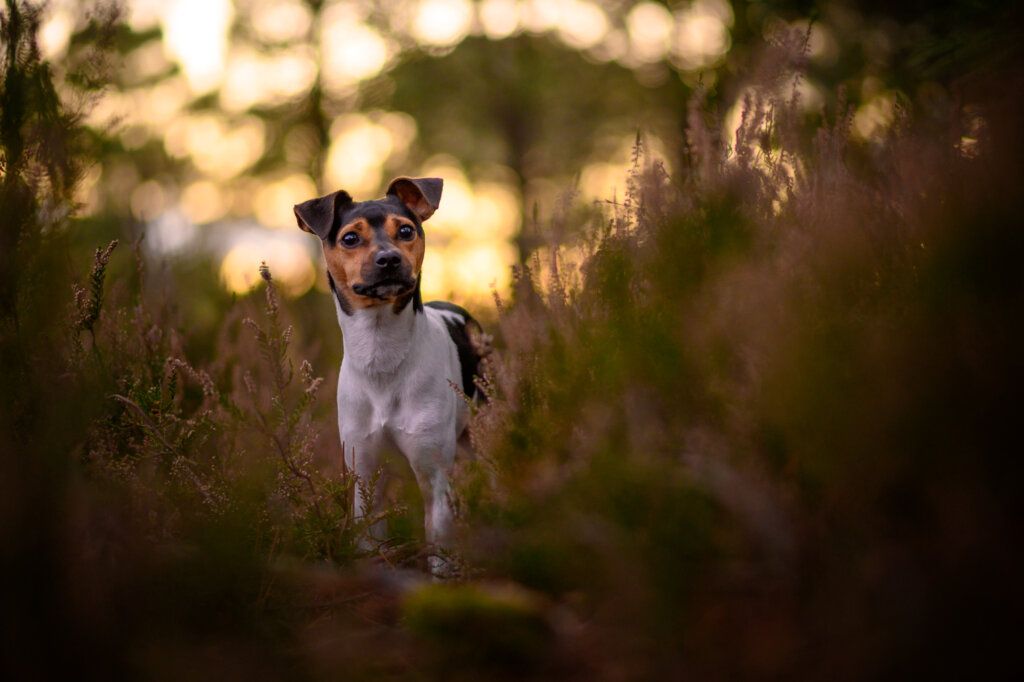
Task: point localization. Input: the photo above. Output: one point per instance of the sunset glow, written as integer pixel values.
(701, 33)
(498, 18)
(650, 26)
(289, 262)
(195, 34)
(55, 33)
(280, 21)
(252, 78)
(357, 153)
(351, 50)
(344, 44)
(442, 23)
(469, 238)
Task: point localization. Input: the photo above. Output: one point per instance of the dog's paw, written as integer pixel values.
(438, 567)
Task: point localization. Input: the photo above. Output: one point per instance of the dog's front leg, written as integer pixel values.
(437, 514)
(432, 466)
(363, 457)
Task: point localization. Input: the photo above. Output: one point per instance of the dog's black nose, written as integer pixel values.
(387, 260)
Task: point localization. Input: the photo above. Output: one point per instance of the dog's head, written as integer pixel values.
(374, 249)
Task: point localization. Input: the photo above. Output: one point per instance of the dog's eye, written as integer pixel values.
(350, 239)
(406, 233)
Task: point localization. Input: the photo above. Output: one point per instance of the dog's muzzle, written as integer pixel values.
(384, 289)
(386, 277)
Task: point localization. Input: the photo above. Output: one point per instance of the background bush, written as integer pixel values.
(754, 420)
(768, 431)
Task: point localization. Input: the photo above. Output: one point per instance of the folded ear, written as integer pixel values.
(421, 195)
(317, 215)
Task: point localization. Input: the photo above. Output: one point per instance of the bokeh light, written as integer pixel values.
(217, 146)
(605, 179)
(650, 27)
(875, 116)
(253, 78)
(146, 62)
(288, 46)
(351, 50)
(172, 232)
(822, 46)
(288, 260)
(701, 33)
(280, 21)
(355, 159)
(442, 23)
(471, 268)
(581, 24)
(745, 99)
(539, 16)
(87, 196)
(273, 201)
(577, 23)
(55, 32)
(469, 245)
(205, 202)
(148, 200)
(498, 18)
(144, 15)
(195, 35)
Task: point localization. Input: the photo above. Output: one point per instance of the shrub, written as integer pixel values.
(764, 428)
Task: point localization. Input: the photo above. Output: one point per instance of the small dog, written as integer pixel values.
(402, 357)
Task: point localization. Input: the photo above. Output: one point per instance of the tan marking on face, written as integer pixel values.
(412, 250)
(346, 265)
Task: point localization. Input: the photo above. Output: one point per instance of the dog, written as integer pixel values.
(401, 358)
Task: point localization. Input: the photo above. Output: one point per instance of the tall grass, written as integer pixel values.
(160, 490)
(766, 427)
(756, 419)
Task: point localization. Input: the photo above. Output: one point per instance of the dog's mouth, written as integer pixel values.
(384, 289)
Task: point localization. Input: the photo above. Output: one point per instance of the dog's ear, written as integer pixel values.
(317, 215)
(421, 195)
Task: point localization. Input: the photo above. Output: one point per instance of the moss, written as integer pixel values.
(480, 626)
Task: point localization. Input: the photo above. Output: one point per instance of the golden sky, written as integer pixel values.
(469, 238)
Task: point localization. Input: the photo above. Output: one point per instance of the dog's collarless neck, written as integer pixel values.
(377, 340)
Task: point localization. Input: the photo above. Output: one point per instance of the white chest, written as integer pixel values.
(396, 376)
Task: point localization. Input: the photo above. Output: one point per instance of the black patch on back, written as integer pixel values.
(452, 308)
(469, 360)
(346, 307)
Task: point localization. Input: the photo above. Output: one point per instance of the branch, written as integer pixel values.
(148, 423)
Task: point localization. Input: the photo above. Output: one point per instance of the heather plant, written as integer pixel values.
(193, 449)
(753, 419)
(205, 482)
(761, 429)
(146, 484)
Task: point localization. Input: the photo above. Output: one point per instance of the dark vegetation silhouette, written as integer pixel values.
(756, 419)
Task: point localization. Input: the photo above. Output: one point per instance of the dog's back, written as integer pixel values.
(461, 329)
